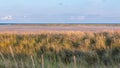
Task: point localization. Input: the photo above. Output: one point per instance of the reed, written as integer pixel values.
(60, 49)
(42, 58)
(11, 51)
(75, 65)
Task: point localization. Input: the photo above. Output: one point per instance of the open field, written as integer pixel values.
(24, 46)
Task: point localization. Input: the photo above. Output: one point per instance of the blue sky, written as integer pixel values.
(59, 11)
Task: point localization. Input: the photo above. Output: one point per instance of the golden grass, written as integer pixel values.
(68, 48)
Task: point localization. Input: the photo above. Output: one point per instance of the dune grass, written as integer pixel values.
(60, 50)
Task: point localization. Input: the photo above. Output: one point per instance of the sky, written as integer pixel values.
(60, 11)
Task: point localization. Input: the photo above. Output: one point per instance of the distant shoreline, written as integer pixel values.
(63, 24)
(59, 28)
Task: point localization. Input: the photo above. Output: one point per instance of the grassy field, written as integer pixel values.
(60, 50)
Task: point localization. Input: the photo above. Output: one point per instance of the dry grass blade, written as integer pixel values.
(33, 63)
(3, 59)
(11, 50)
(42, 58)
(22, 65)
(75, 65)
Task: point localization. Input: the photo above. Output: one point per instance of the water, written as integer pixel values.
(13, 23)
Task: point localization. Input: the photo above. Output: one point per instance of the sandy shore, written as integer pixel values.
(36, 29)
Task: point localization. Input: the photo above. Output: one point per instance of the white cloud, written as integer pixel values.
(9, 17)
(72, 17)
(24, 16)
(81, 17)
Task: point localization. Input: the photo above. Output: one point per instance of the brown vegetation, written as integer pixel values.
(60, 49)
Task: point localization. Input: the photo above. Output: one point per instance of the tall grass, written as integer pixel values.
(60, 50)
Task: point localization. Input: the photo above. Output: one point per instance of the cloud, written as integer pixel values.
(9, 17)
(24, 16)
(72, 17)
(80, 18)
